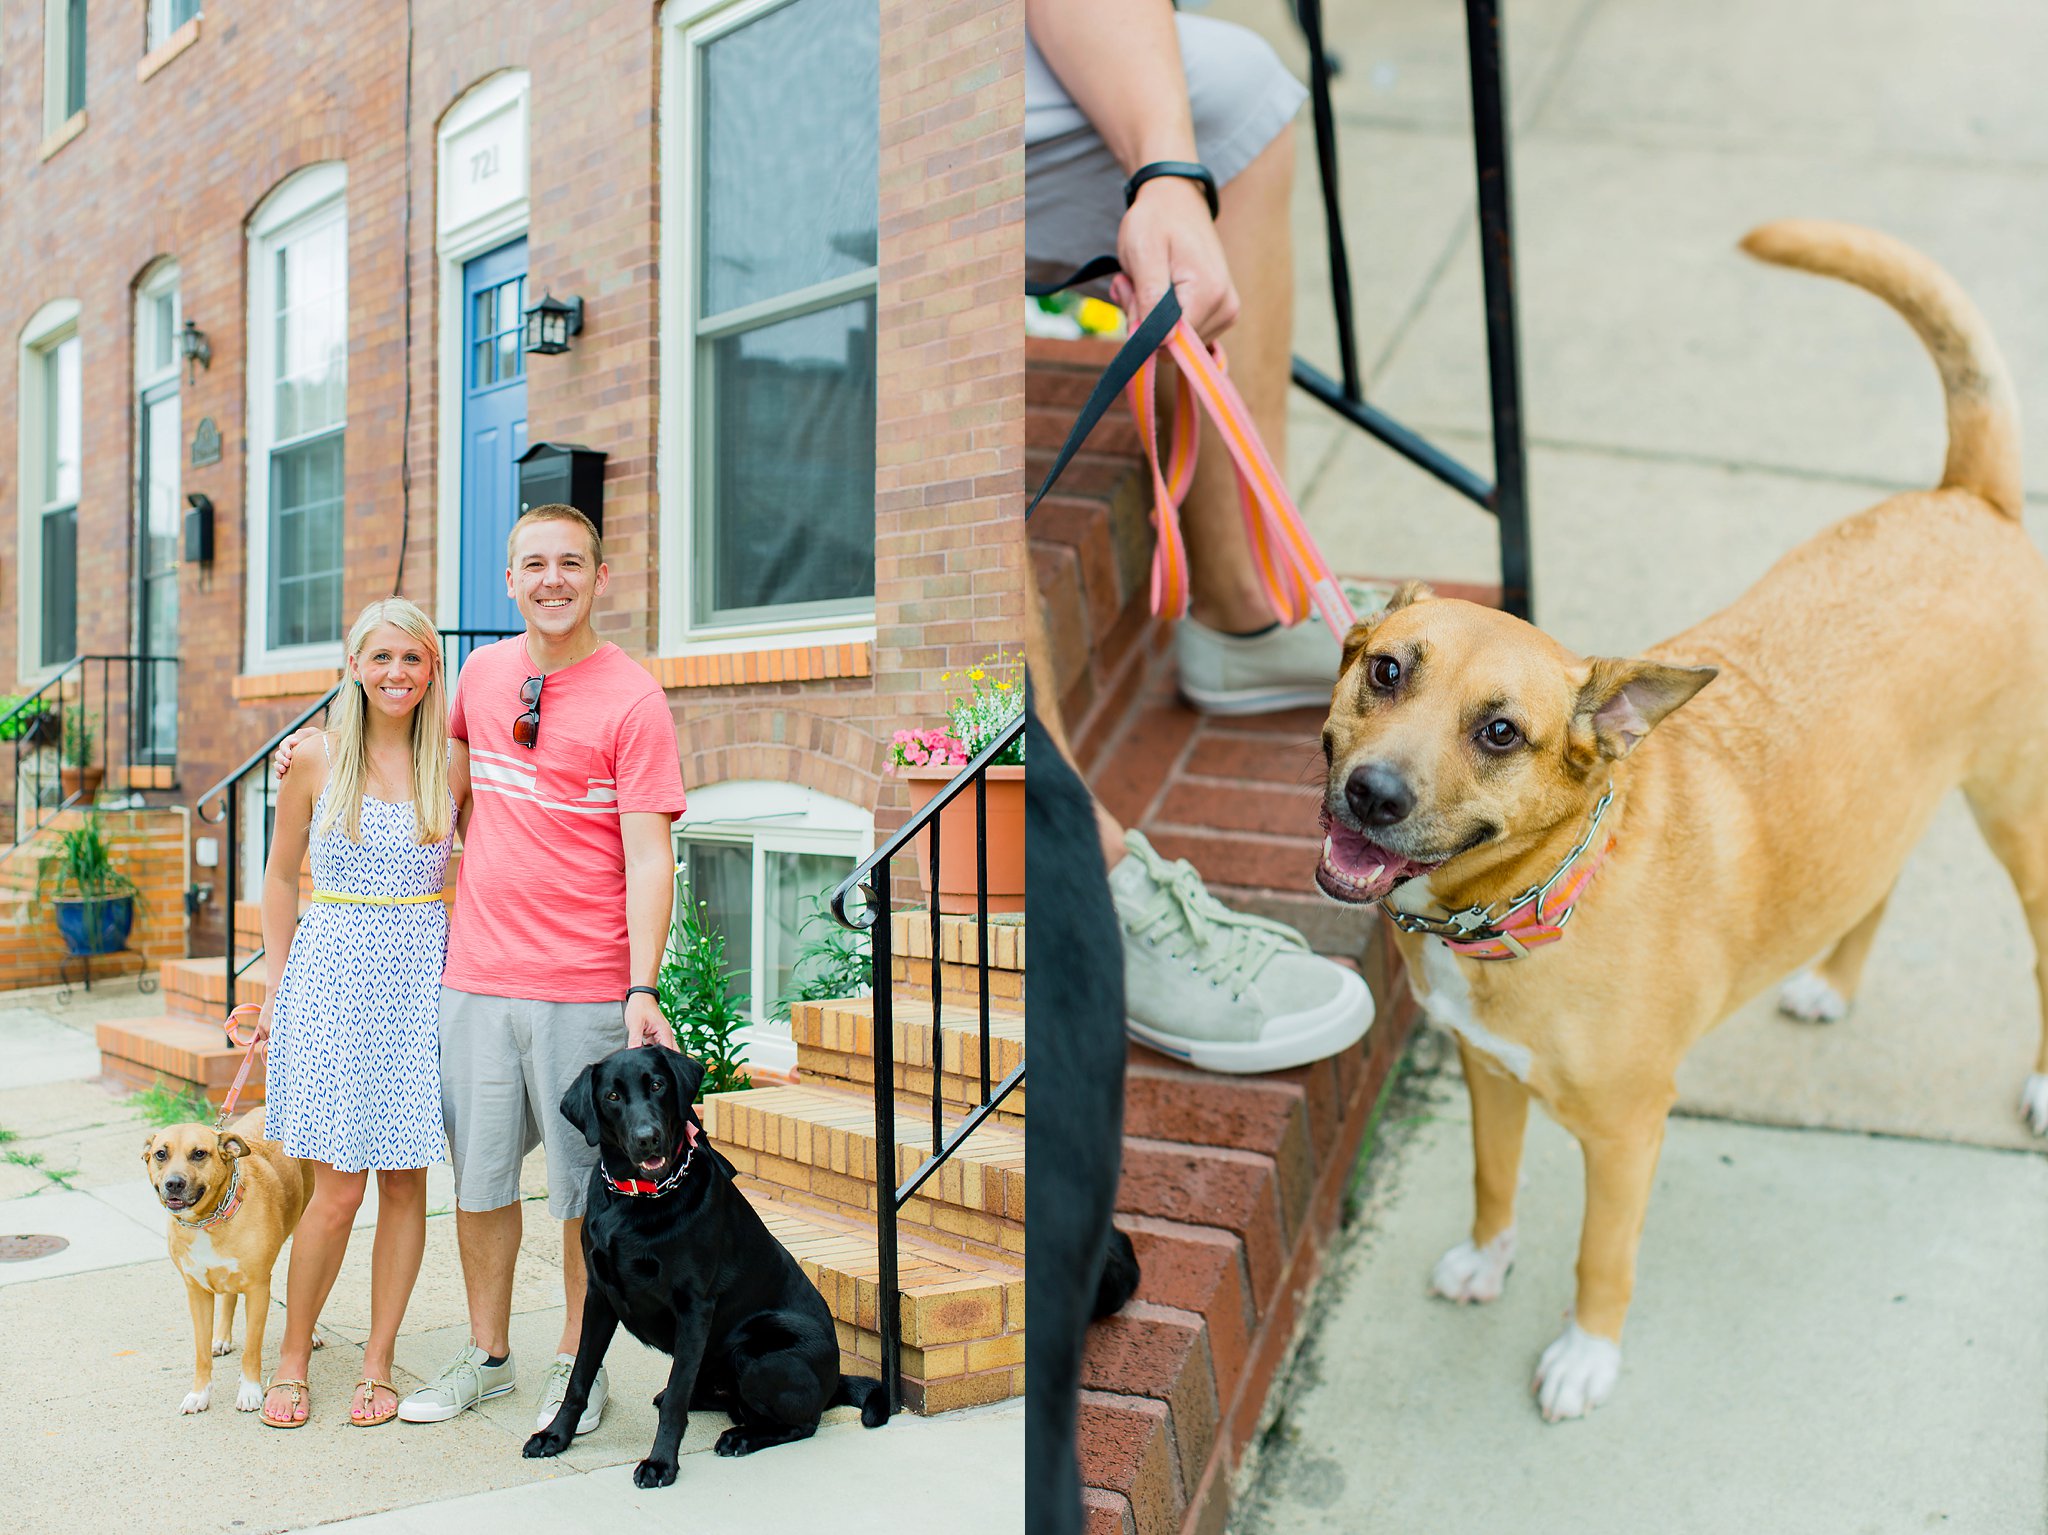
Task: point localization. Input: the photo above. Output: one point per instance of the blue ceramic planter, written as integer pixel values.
(96, 927)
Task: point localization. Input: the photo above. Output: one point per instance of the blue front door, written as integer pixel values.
(493, 429)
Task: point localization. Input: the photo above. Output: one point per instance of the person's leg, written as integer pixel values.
(319, 1243)
(573, 1281)
(488, 1241)
(394, 1265)
(1224, 590)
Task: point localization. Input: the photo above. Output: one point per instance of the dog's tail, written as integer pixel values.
(1983, 420)
(866, 1393)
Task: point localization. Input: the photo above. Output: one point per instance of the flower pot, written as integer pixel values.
(957, 886)
(81, 782)
(96, 926)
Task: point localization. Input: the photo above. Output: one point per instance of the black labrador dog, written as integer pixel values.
(678, 1255)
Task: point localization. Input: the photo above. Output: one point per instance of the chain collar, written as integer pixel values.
(1482, 924)
(646, 1187)
(230, 1202)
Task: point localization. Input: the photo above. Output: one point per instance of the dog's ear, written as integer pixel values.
(1621, 701)
(687, 1072)
(232, 1147)
(1405, 595)
(149, 1147)
(579, 1103)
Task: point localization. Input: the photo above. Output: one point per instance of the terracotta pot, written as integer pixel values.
(81, 782)
(1005, 788)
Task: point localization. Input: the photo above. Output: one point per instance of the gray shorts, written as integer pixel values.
(505, 1063)
(1241, 95)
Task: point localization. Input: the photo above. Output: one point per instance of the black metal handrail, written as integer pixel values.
(872, 879)
(222, 802)
(43, 726)
(1507, 497)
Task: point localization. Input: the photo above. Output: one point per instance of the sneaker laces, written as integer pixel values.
(462, 1368)
(1229, 947)
(556, 1386)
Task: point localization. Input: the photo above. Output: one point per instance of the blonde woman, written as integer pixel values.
(354, 1075)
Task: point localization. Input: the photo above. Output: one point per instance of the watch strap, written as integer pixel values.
(1186, 170)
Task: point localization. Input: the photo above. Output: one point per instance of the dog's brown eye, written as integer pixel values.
(1383, 672)
(1499, 734)
(611, 1097)
(162, 1155)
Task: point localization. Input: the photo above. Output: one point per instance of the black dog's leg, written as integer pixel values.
(1120, 1275)
(600, 1322)
(779, 1400)
(693, 1331)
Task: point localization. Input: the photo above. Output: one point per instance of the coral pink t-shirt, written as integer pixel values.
(540, 902)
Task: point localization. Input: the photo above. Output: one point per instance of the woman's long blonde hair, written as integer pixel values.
(350, 771)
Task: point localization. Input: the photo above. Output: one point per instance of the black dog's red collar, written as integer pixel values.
(643, 1186)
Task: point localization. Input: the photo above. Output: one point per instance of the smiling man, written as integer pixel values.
(561, 912)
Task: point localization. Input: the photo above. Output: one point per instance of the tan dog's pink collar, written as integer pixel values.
(1535, 917)
(228, 1205)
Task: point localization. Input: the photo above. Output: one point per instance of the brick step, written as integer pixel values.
(198, 988)
(815, 1147)
(835, 1047)
(182, 1053)
(961, 1319)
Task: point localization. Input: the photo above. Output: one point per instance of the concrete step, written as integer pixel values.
(815, 1147)
(198, 988)
(181, 1053)
(835, 1047)
(961, 1317)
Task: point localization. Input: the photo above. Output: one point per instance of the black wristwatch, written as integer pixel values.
(648, 989)
(1188, 170)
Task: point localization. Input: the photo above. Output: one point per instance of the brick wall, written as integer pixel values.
(149, 847)
(175, 164)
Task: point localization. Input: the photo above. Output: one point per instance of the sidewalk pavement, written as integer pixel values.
(101, 1355)
(1691, 415)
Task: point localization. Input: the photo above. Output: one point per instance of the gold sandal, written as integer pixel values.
(301, 1392)
(373, 1383)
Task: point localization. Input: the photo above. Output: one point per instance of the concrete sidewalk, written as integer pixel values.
(101, 1355)
(1834, 1330)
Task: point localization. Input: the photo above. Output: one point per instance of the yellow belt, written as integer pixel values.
(344, 897)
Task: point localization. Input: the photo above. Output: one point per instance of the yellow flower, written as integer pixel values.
(945, 676)
(1003, 686)
(977, 674)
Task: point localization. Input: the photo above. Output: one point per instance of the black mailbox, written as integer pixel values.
(565, 474)
(199, 530)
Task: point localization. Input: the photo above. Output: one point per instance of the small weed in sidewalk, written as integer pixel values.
(33, 1161)
(163, 1105)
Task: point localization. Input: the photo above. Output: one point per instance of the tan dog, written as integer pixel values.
(233, 1197)
(1899, 654)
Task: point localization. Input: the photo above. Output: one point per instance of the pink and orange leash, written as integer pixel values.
(252, 1047)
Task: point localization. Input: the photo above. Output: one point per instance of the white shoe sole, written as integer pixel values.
(439, 1414)
(593, 1414)
(1337, 1026)
(1269, 700)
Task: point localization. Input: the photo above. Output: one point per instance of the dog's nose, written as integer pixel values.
(174, 1185)
(1378, 795)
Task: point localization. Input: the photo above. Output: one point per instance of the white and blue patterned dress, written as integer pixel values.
(355, 1061)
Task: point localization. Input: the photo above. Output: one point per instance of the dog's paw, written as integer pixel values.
(248, 1395)
(223, 1346)
(2034, 1103)
(546, 1443)
(1808, 996)
(197, 1401)
(1576, 1374)
(1477, 1274)
(654, 1473)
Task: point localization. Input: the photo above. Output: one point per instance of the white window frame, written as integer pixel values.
(55, 322)
(160, 26)
(57, 63)
(769, 817)
(311, 195)
(455, 245)
(686, 26)
(161, 280)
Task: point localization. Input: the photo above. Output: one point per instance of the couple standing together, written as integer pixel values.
(390, 1026)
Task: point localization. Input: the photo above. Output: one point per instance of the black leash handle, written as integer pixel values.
(1141, 344)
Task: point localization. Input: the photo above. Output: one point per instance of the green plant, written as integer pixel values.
(84, 866)
(995, 699)
(834, 964)
(32, 1161)
(697, 998)
(162, 1104)
(13, 726)
(81, 735)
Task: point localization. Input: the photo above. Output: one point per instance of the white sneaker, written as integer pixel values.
(1290, 668)
(463, 1382)
(556, 1386)
(1217, 988)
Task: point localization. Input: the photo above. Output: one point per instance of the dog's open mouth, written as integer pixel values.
(1355, 869)
(653, 1164)
(182, 1201)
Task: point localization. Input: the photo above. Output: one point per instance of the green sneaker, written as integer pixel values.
(463, 1382)
(556, 1386)
(1221, 990)
(1291, 668)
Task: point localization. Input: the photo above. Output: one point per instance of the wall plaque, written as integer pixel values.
(205, 443)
